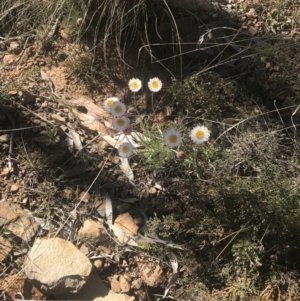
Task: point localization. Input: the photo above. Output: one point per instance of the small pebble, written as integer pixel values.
(14, 188)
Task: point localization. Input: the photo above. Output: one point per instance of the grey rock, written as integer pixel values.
(8, 59)
(57, 266)
(93, 232)
(14, 48)
(115, 297)
(17, 221)
(93, 288)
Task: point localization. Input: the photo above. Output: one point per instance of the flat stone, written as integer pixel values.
(4, 138)
(84, 249)
(251, 13)
(13, 93)
(152, 190)
(101, 207)
(93, 232)
(14, 188)
(253, 30)
(93, 288)
(14, 48)
(5, 248)
(98, 264)
(64, 34)
(17, 221)
(8, 59)
(15, 284)
(136, 284)
(124, 284)
(115, 284)
(115, 297)
(57, 266)
(58, 118)
(84, 196)
(126, 223)
(6, 171)
(23, 227)
(150, 270)
(8, 212)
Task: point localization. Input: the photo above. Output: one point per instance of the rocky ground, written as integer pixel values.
(73, 215)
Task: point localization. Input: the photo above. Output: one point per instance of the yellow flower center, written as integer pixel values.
(173, 138)
(120, 122)
(118, 109)
(200, 134)
(134, 85)
(110, 102)
(155, 85)
(125, 149)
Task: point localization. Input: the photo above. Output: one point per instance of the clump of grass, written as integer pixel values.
(160, 159)
(81, 65)
(108, 24)
(243, 201)
(36, 161)
(115, 20)
(206, 95)
(157, 155)
(20, 83)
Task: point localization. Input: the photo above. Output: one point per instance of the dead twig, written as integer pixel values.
(292, 119)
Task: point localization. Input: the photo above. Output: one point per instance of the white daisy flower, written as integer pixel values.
(154, 84)
(120, 123)
(172, 138)
(200, 134)
(118, 109)
(109, 102)
(125, 150)
(135, 84)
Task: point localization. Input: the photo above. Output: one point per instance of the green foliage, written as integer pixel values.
(154, 154)
(48, 137)
(21, 83)
(83, 67)
(243, 201)
(161, 160)
(234, 202)
(120, 20)
(206, 95)
(35, 160)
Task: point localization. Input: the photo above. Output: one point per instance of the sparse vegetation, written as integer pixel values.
(231, 205)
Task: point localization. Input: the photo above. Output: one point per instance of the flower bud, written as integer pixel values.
(80, 21)
(181, 155)
(127, 131)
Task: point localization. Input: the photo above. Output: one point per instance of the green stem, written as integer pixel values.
(152, 103)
